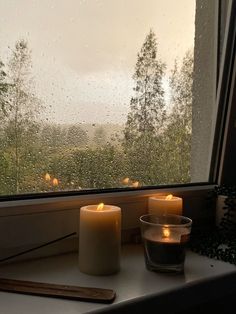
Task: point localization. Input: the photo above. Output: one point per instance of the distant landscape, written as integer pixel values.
(152, 147)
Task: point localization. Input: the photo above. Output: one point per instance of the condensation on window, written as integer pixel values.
(95, 94)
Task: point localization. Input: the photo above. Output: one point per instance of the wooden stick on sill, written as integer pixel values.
(88, 294)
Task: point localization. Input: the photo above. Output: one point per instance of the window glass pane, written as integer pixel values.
(105, 94)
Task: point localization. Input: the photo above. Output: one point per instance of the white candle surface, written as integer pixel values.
(161, 204)
(99, 239)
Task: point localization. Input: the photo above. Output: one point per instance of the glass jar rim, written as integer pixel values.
(188, 222)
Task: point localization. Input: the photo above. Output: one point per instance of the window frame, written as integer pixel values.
(47, 195)
(224, 149)
(132, 201)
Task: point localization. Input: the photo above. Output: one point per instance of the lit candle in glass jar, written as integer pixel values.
(165, 248)
(164, 239)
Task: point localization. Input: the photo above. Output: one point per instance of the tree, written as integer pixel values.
(144, 125)
(53, 137)
(179, 130)
(181, 83)
(76, 136)
(97, 168)
(21, 127)
(99, 137)
(3, 91)
(147, 106)
(3, 108)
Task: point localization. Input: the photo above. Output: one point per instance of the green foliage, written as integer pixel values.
(144, 126)
(76, 136)
(219, 242)
(158, 146)
(3, 91)
(228, 222)
(178, 134)
(215, 244)
(154, 147)
(87, 168)
(20, 129)
(97, 168)
(99, 137)
(52, 136)
(147, 111)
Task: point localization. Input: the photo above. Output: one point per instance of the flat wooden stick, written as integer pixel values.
(89, 294)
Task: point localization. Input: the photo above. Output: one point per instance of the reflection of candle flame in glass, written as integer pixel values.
(47, 177)
(125, 181)
(166, 232)
(135, 184)
(55, 182)
(100, 206)
(169, 197)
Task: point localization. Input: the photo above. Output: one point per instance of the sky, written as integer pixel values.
(84, 51)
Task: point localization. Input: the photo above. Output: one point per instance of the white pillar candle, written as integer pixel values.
(160, 204)
(99, 239)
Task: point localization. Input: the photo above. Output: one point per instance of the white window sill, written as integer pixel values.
(28, 223)
(133, 284)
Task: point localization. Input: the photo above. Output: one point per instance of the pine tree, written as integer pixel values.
(3, 91)
(147, 105)
(181, 83)
(3, 110)
(144, 126)
(178, 134)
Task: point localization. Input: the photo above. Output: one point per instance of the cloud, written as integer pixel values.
(84, 52)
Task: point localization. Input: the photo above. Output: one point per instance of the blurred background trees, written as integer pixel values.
(153, 147)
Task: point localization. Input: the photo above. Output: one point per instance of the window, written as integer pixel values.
(29, 223)
(106, 94)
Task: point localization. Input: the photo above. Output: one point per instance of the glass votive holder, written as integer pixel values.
(164, 240)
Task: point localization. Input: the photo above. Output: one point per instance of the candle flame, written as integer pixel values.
(100, 206)
(55, 182)
(169, 197)
(166, 232)
(47, 177)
